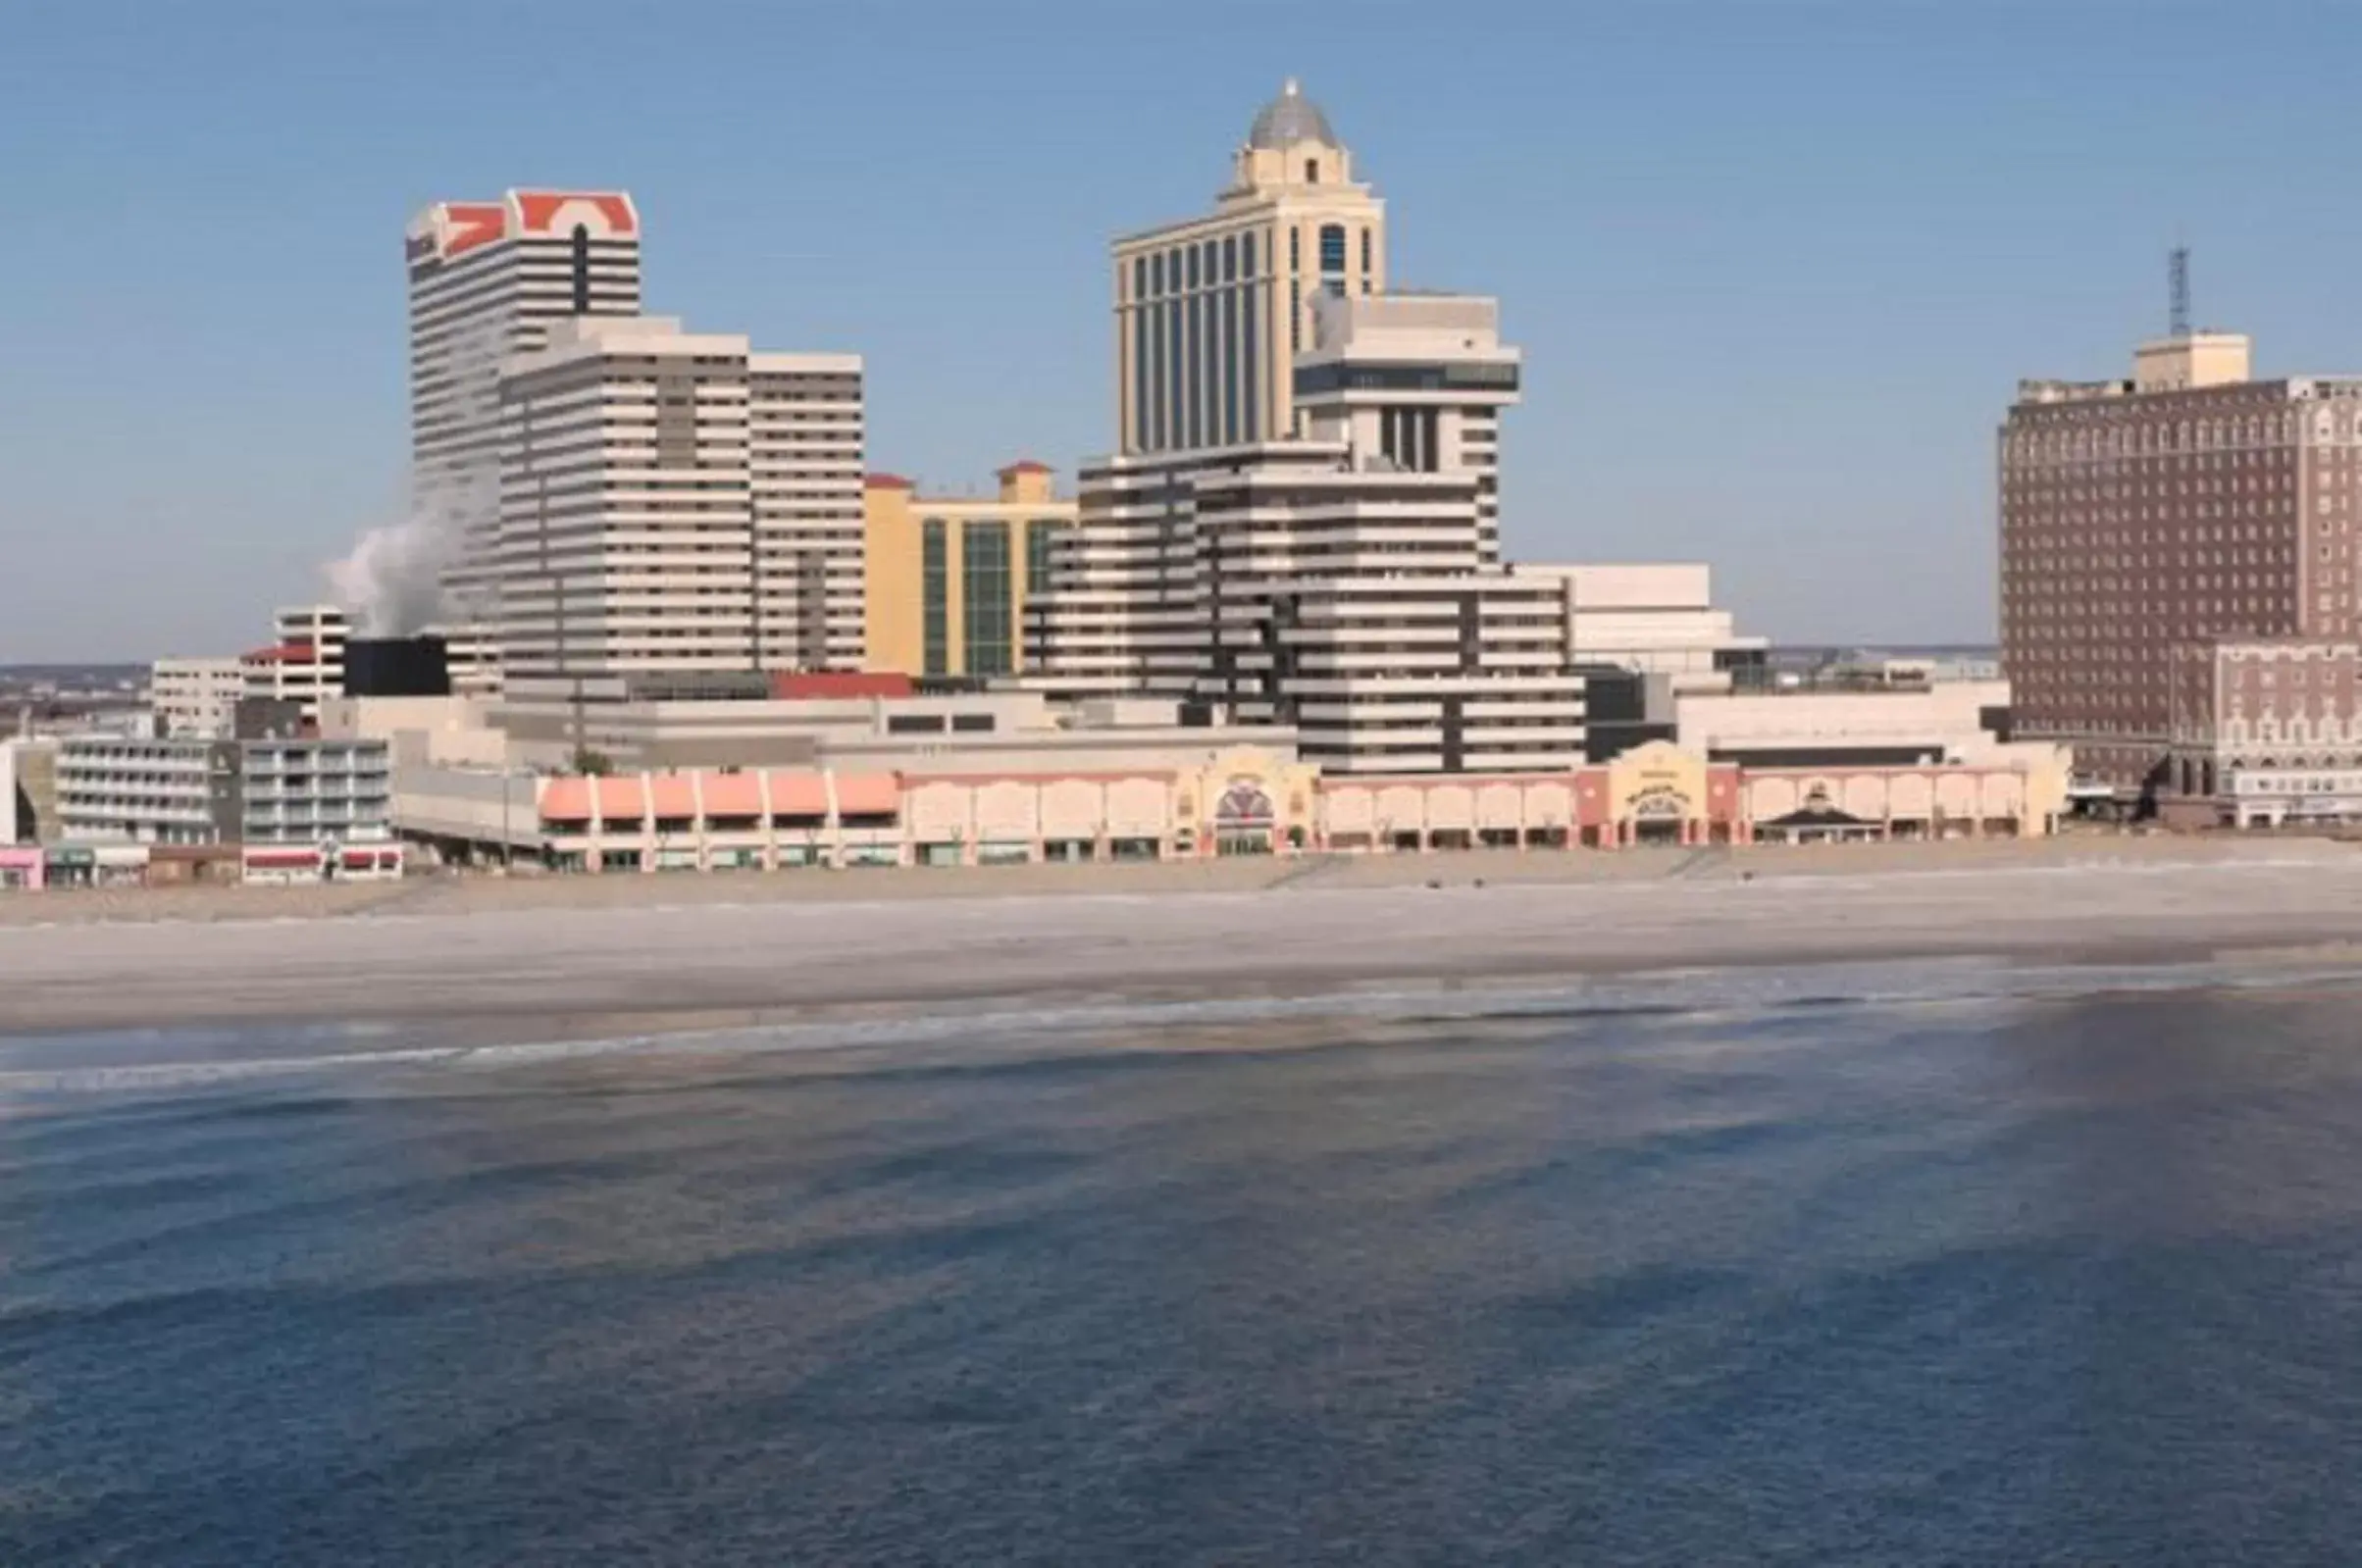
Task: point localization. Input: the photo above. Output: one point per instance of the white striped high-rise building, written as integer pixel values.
(1346, 581)
(1210, 312)
(672, 501)
(488, 281)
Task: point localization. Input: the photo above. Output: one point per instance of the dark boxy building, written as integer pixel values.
(397, 667)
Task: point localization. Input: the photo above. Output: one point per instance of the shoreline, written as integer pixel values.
(480, 893)
(583, 969)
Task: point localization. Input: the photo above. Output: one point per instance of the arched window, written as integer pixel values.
(1332, 249)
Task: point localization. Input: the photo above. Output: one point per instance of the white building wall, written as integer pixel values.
(805, 435)
(196, 698)
(671, 502)
(1949, 714)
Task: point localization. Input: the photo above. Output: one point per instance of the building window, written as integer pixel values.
(1230, 259)
(1311, 171)
(1253, 372)
(1295, 316)
(934, 587)
(1156, 275)
(1176, 396)
(1196, 388)
(1141, 416)
(1040, 538)
(1332, 249)
(1296, 250)
(1230, 364)
(1246, 255)
(1367, 269)
(984, 601)
(1192, 265)
(1139, 277)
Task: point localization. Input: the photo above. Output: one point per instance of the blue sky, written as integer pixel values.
(1775, 267)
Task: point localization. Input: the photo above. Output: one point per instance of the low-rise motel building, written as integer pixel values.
(949, 577)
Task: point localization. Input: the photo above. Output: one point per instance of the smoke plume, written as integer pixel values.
(392, 583)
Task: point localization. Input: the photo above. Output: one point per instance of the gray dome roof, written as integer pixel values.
(1289, 119)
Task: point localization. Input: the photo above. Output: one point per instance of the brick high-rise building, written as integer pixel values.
(2184, 506)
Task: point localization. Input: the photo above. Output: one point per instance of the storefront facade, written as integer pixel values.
(1659, 795)
(1240, 802)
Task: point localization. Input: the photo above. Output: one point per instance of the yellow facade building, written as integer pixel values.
(947, 576)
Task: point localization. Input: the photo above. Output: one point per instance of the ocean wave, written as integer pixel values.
(1694, 996)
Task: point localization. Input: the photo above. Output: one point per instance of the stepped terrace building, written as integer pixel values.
(1345, 583)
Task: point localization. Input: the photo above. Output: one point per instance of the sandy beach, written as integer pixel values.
(584, 954)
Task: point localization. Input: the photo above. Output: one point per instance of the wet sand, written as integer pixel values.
(577, 955)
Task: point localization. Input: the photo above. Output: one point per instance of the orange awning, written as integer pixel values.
(621, 800)
(797, 794)
(732, 795)
(566, 800)
(673, 795)
(868, 795)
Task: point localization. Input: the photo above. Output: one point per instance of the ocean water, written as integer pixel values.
(1948, 1265)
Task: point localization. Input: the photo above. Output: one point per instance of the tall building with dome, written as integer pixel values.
(1211, 312)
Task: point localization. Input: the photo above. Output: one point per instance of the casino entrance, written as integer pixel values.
(1243, 819)
(1659, 816)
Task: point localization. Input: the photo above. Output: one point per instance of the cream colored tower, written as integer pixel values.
(1211, 312)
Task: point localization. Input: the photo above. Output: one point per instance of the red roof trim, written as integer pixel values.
(886, 481)
(1026, 465)
(824, 684)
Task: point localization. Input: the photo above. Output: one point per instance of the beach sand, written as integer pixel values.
(585, 955)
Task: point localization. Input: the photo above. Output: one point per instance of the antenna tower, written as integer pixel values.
(2177, 274)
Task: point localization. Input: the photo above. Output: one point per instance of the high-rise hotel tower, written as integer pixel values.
(678, 501)
(488, 279)
(1302, 527)
(1211, 312)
